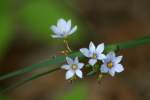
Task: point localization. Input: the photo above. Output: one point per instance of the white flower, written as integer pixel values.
(73, 68)
(93, 53)
(112, 64)
(63, 29)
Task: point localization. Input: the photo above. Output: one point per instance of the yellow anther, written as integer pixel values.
(94, 56)
(109, 65)
(74, 66)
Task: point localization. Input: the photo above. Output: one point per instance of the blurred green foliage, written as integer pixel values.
(38, 16)
(4, 98)
(5, 34)
(33, 17)
(79, 92)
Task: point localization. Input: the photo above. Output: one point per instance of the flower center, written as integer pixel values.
(109, 64)
(74, 66)
(94, 56)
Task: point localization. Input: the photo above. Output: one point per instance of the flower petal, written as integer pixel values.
(91, 47)
(69, 60)
(55, 29)
(79, 73)
(92, 61)
(111, 55)
(73, 30)
(76, 60)
(80, 65)
(119, 68)
(101, 56)
(100, 48)
(85, 52)
(66, 67)
(68, 26)
(112, 72)
(118, 59)
(69, 74)
(104, 68)
(61, 24)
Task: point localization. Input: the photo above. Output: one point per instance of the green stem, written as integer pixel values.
(23, 81)
(113, 47)
(134, 43)
(45, 63)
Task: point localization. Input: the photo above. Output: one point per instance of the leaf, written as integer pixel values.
(133, 43)
(60, 59)
(45, 63)
(23, 81)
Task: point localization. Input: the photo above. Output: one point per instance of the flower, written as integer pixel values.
(111, 64)
(73, 68)
(93, 53)
(63, 29)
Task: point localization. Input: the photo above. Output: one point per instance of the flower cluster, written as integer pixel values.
(107, 63)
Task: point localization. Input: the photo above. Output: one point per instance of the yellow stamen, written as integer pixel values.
(94, 56)
(110, 64)
(74, 66)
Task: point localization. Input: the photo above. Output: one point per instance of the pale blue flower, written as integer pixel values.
(73, 68)
(112, 64)
(63, 29)
(94, 53)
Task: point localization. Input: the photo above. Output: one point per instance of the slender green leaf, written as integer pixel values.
(23, 81)
(125, 45)
(60, 59)
(133, 43)
(52, 61)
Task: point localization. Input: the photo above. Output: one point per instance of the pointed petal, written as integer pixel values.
(119, 68)
(101, 56)
(55, 29)
(68, 26)
(111, 55)
(112, 72)
(80, 65)
(76, 60)
(104, 68)
(92, 61)
(79, 73)
(61, 24)
(85, 52)
(73, 30)
(69, 60)
(66, 67)
(91, 47)
(118, 59)
(69, 74)
(100, 48)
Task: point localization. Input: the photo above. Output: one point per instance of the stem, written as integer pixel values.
(125, 45)
(100, 78)
(134, 43)
(28, 79)
(67, 45)
(45, 63)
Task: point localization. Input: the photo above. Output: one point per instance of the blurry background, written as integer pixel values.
(25, 40)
